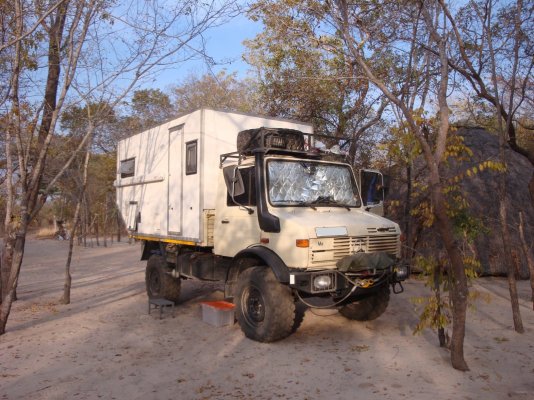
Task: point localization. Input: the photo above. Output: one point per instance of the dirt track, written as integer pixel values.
(104, 345)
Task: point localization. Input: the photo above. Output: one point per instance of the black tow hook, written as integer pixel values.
(394, 287)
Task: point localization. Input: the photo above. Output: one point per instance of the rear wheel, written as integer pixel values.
(265, 308)
(159, 284)
(368, 308)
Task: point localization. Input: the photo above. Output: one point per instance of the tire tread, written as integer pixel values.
(279, 306)
(170, 287)
(369, 308)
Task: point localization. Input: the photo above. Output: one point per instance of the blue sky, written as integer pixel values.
(225, 45)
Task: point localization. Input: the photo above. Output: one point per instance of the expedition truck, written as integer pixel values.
(251, 202)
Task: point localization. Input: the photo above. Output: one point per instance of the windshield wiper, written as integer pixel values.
(329, 200)
(323, 200)
(305, 203)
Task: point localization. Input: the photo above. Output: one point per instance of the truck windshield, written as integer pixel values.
(310, 183)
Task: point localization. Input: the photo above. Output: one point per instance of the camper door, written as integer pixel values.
(174, 201)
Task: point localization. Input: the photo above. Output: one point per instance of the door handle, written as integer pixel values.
(225, 221)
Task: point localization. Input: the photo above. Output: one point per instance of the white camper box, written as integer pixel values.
(167, 175)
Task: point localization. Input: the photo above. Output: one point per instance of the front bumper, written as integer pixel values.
(336, 282)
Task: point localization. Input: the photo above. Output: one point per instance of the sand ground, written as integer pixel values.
(105, 345)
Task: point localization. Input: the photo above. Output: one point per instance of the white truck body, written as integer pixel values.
(157, 196)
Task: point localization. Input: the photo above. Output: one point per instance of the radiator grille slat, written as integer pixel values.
(327, 254)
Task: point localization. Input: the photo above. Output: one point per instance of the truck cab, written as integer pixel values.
(302, 220)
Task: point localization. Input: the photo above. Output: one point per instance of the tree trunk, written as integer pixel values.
(16, 262)
(7, 260)
(434, 154)
(112, 223)
(84, 224)
(13, 128)
(29, 185)
(105, 223)
(528, 254)
(459, 291)
(54, 70)
(437, 293)
(505, 233)
(512, 284)
(49, 114)
(96, 230)
(409, 250)
(68, 278)
(500, 114)
(118, 228)
(88, 220)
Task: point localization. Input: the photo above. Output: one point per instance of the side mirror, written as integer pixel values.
(373, 190)
(233, 180)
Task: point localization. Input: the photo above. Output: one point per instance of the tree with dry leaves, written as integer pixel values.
(129, 41)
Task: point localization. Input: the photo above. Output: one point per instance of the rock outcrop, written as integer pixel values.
(481, 191)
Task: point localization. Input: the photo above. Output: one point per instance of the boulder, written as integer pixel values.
(481, 191)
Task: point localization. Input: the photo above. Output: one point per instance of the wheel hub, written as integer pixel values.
(254, 306)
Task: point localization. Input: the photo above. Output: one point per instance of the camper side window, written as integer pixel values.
(249, 197)
(191, 158)
(127, 168)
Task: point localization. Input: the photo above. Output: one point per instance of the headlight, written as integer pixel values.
(323, 282)
(402, 272)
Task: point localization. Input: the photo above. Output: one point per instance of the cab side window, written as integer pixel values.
(249, 197)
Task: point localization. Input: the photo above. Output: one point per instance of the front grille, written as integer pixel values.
(382, 229)
(326, 252)
(369, 244)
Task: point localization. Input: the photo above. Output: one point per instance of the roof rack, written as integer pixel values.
(233, 155)
(280, 141)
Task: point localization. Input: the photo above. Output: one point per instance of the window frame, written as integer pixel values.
(355, 186)
(191, 148)
(250, 189)
(125, 174)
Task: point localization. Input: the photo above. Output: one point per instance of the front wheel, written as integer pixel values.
(265, 308)
(368, 308)
(159, 284)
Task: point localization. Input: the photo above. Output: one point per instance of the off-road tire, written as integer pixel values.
(300, 310)
(265, 308)
(159, 284)
(368, 308)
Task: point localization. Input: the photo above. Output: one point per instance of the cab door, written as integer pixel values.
(236, 220)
